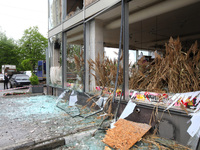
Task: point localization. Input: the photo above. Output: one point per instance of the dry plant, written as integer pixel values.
(162, 143)
(107, 108)
(79, 63)
(177, 71)
(105, 71)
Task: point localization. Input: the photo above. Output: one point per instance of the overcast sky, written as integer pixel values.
(18, 15)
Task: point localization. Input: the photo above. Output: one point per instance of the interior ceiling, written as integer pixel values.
(134, 5)
(75, 36)
(153, 32)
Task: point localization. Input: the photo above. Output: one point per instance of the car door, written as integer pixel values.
(12, 80)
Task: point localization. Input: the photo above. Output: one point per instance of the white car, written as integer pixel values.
(1, 77)
(29, 73)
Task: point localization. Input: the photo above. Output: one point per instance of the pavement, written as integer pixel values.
(32, 122)
(24, 89)
(43, 122)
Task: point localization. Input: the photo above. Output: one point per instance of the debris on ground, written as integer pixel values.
(15, 93)
(125, 134)
(154, 142)
(107, 148)
(35, 119)
(194, 130)
(149, 141)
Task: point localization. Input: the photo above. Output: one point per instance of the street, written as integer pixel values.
(2, 86)
(2, 91)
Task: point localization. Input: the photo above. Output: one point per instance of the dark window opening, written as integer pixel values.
(73, 6)
(39, 68)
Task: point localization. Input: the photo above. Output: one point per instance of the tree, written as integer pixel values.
(32, 48)
(9, 50)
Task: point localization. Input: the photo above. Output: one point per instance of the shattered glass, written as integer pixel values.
(40, 118)
(71, 110)
(94, 142)
(86, 143)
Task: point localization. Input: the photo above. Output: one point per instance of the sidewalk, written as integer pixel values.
(24, 90)
(28, 121)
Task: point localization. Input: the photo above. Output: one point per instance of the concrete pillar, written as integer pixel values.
(93, 47)
(48, 63)
(64, 54)
(86, 56)
(96, 38)
(56, 57)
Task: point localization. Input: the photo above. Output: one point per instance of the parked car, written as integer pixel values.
(1, 77)
(29, 73)
(19, 80)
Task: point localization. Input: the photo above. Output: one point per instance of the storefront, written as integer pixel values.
(81, 33)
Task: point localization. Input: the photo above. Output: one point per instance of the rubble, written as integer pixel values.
(125, 134)
(36, 119)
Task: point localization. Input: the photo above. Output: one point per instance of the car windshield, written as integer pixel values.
(22, 78)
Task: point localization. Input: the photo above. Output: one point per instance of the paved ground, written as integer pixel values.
(11, 90)
(2, 85)
(16, 90)
(31, 120)
(148, 142)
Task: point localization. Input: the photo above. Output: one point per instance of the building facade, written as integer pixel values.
(80, 30)
(86, 27)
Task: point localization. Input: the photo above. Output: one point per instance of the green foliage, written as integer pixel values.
(72, 50)
(32, 48)
(9, 51)
(26, 64)
(26, 53)
(34, 79)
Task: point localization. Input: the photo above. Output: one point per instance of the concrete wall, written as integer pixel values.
(172, 125)
(94, 46)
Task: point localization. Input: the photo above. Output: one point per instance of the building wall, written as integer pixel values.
(94, 31)
(94, 41)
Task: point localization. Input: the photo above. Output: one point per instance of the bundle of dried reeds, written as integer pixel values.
(79, 64)
(79, 61)
(161, 143)
(105, 71)
(177, 71)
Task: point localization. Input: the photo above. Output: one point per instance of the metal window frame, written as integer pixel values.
(64, 53)
(125, 47)
(126, 51)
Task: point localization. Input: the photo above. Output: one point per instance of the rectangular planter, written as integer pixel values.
(37, 89)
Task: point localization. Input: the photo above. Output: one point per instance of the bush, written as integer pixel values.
(34, 80)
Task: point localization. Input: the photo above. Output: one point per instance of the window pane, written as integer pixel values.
(55, 13)
(74, 58)
(55, 61)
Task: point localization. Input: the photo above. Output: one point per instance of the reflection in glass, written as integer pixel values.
(74, 59)
(56, 61)
(55, 13)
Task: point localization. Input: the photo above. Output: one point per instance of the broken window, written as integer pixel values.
(55, 13)
(88, 2)
(74, 58)
(55, 60)
(73, 6)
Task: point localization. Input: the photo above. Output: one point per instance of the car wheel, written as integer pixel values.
(10, 85)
